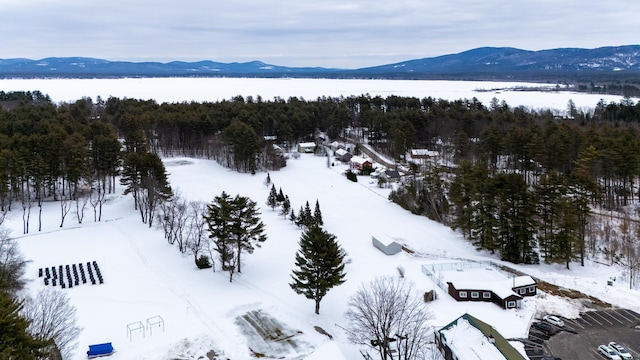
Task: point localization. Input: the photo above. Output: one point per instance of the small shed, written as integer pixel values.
(337, 145)
(359, 163)
(100, 350)
(390, 248)
(306, 147)
(416, 154)
(342, 155)
(392, 175)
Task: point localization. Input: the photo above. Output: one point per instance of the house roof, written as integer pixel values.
(468, 342)
(393, 174)
(486, 279)
(471, 338)
(519, 281)
(307, 144)
(359, 160)
(422, 153)
(340, 152)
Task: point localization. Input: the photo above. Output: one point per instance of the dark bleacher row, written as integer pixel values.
(75, 275)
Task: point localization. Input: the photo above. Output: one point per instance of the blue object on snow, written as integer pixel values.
(100, 350)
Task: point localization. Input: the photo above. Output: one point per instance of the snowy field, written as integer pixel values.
(146, 279)
(216, 89)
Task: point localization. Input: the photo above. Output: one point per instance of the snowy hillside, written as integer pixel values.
(187, 313)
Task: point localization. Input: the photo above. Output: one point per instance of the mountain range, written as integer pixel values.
(479, 63)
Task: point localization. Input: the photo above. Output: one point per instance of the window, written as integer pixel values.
(523, 291)
(462, 294)
(475, 294)
(532, 289)
(511, 304)
(486, 295)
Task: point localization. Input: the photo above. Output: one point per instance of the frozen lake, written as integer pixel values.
(214, 89)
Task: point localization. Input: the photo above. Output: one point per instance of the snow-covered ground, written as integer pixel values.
(216, 89)
(146, 279)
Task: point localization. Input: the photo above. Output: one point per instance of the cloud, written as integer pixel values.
(326, 33)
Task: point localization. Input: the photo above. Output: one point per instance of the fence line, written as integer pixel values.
(431, 270)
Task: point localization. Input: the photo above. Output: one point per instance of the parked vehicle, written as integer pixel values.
(553, 320)
(608, 352)
(621, 351)
(544, 327)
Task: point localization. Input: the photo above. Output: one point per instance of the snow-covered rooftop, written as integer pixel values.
(484, 278)
(468, 343)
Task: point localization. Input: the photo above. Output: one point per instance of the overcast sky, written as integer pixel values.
(327, 33)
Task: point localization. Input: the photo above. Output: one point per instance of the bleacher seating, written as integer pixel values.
(74, 273)
(82, 275)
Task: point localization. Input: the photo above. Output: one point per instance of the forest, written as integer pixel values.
(519, 182)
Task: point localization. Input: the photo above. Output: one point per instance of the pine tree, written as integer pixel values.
(293, 217)
(15, 340)
(235, 226)
(247, 229)
(272, 199)
(308, 216)
(286, 206)
(319, 265)
(267, 181)
(300, 220)
(515, 213)
(317, 215)
(280, 197)
(219, 219)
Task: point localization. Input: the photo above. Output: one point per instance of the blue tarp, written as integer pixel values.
(100, 350)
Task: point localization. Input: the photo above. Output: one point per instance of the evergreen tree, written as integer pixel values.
(155, 186)
(300, 220)
(267, 181)
(317, 215)
(308, 216)
(286, 206)
(461, 192)
(515, 213)
(15, 341)
(247, 229)
(319, 265)
(293, 217)
(244, 143)
(280, 197)
(549, 192)
(219, 217)
(272, 199)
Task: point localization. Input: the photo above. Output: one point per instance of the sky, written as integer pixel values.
(327, 33)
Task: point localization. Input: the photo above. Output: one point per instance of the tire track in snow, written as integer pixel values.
(219, 336)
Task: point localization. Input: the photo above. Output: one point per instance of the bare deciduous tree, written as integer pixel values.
(82, 197)
(65, 201)
(12, 264)
(196, 228)
(627, 251)
(389, 316)
(53, 318)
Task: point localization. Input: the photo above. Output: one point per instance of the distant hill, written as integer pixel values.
(511, 62)
(480, 63)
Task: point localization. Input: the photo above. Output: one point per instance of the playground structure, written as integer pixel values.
(150, 323)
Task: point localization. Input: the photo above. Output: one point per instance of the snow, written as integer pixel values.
(467, 342)
(145, 277)
(216, 89)
(484, 278)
